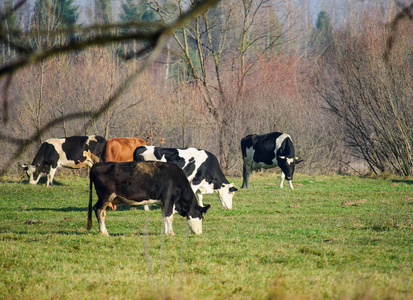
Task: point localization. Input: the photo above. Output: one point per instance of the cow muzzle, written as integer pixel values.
(195, 224)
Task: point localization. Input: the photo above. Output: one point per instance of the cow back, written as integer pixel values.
(121, 149)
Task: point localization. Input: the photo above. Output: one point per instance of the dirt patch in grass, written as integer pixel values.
(349, 202)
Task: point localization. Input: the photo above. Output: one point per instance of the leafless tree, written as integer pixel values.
(154, 36)
(370, 88)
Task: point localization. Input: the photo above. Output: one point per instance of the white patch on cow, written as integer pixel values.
(64, 161)
(167, 221)
(225, 195)
(199, 156)
(203, 188)
(278, 143)
(199, 198)
(91, 138)
(282, 177)
(30, 172)
(195, 224)
(103, 230)
(149, 155)
(249, 155)
(140, 203)
(289, 160)
(280, 140)
(50, 176)
(101, 216)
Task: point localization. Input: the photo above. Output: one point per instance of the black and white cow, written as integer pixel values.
(201, 168)
(140, 183)
(72, 152)
(268, 151)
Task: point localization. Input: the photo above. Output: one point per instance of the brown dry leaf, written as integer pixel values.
(348, 202)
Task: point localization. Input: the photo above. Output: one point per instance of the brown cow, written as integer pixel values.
(121, 149)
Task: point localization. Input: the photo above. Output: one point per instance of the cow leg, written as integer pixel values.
(282, 177)
(100, 211)
(290, 182)
(50, 176)
(199, 197)
(146, 207)
(245, 177)
(168, 216)
(167, 222)
(101, 216)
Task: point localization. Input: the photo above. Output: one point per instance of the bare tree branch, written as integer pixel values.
(156, 36)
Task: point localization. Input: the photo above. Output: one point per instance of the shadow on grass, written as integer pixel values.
(69, 209)
(42, 181)
(93, 232)
(402, 181)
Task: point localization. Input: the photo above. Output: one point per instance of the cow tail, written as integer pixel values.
(89, 214)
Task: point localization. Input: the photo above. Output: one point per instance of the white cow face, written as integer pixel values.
(33, 173)
(226, 193)
(195, 224)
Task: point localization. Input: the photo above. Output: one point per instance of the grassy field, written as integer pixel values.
(335, 237)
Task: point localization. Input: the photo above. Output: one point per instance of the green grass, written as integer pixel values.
(274, 244)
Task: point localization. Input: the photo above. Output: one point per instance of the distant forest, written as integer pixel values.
(239, 67)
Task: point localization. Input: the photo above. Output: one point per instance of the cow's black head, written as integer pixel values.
(287, 165)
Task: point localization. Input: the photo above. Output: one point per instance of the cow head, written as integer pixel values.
(226, 193)
(194, 220)
(32, 172)
(287, 165)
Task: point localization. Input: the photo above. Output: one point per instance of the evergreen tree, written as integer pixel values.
(149, 14)
(45, 20)
(103, 11)
(66, 12)
(322, 39)
(10, 24)
(130, 11)
(42, 18)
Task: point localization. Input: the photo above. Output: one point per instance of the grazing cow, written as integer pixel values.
(201, 168)
(121, 149)
(72, 152)
(268, 151)
(140, 183)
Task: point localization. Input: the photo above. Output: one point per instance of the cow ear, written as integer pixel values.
(205, 208)
(297, 160)
(24, 166)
